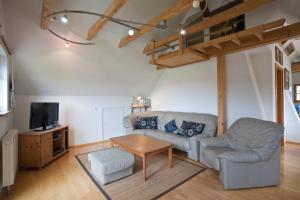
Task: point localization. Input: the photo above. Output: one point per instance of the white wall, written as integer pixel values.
(190, 89)
(262, 66)
(194, 88)
(82, 113)
(44, 66)
(291, 120)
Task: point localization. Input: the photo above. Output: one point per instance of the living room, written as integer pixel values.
(174, 99)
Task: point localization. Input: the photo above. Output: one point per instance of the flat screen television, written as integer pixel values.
(43, 115)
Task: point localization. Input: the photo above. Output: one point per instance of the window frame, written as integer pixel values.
(7, 54)
(295, 93)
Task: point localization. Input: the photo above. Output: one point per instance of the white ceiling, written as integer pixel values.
(44, 66)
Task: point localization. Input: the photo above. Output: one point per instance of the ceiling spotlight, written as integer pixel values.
(163, 23)
(67, 44)
(182, 31)
(64, 19)
(53, 18)
(131, 32)
(196, 3)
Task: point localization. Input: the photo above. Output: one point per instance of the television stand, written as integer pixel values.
(39, 148)
(47, 128)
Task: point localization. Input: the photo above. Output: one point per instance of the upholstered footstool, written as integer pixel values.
(111, 164)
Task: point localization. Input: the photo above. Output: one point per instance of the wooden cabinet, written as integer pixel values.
(36, 149)
(46, 148)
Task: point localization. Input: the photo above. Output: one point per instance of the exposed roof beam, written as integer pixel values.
(237, 41)
(110, 12)
(218, 46)
(259, 35)
(216, 19)
(247, 38)
(270, 37)
(45, 12)
(171, 12)
(250, 31)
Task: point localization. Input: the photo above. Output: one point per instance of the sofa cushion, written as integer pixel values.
(146, 122)
(171, 126)
(210, 155)
(181, 143)
(156, 134)
(164, 117)
(189, 129)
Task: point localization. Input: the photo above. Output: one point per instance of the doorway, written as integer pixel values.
(279, 92)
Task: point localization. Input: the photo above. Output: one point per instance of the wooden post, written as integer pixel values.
(221, 82)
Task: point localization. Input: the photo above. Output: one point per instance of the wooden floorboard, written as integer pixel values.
(64, 179)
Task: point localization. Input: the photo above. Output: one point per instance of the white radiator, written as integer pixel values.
(9, 157)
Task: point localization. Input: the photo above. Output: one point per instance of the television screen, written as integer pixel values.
(43, 115)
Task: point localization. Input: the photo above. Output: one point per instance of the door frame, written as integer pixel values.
(279, 95)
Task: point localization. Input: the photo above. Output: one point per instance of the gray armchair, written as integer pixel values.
(247, 155)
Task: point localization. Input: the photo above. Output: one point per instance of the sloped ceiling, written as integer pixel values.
(44, 66)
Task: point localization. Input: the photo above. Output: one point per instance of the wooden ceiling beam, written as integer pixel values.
(259, 35)
(218, 46)
(236, 41)
(45, 12)
(270, 37)
(248, 41)
(240, 35)
(214, 20)
(169, 13)
(110, 12)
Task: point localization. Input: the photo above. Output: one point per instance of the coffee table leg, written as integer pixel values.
(170, 155)
(145, 167)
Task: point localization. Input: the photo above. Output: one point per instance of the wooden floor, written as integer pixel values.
(65, 179)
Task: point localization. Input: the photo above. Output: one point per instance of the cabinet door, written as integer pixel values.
(29, 151)
(46, 148)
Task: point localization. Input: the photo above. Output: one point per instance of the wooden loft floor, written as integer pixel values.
(65, 180)
(251, 38)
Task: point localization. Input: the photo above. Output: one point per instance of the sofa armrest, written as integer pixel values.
(240, 156)
(214, 142)
(199, 137)
(128, 124)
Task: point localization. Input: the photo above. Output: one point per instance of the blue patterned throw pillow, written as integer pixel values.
(146, 122)
(171, 126)
(189, 129)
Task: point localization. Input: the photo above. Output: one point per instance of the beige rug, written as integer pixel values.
(160, 180)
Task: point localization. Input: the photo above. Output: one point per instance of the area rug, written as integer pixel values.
(160, 180)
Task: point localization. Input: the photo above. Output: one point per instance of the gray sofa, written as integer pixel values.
(190, 145)
(248, 155)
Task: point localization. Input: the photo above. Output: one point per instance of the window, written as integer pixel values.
(4, 80)
(297, 93)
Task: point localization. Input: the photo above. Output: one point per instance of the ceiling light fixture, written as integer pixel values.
(64, 19)
(123, 22)
(196, 3)
(53, 18)
(182, 31)
(131, 32)
(67, 44)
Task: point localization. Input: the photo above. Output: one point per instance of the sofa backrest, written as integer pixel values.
(164, 117)
(257, 135)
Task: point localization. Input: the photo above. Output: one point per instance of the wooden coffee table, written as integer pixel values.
(144, 147)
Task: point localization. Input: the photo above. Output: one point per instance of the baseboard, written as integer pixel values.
(290, 142)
